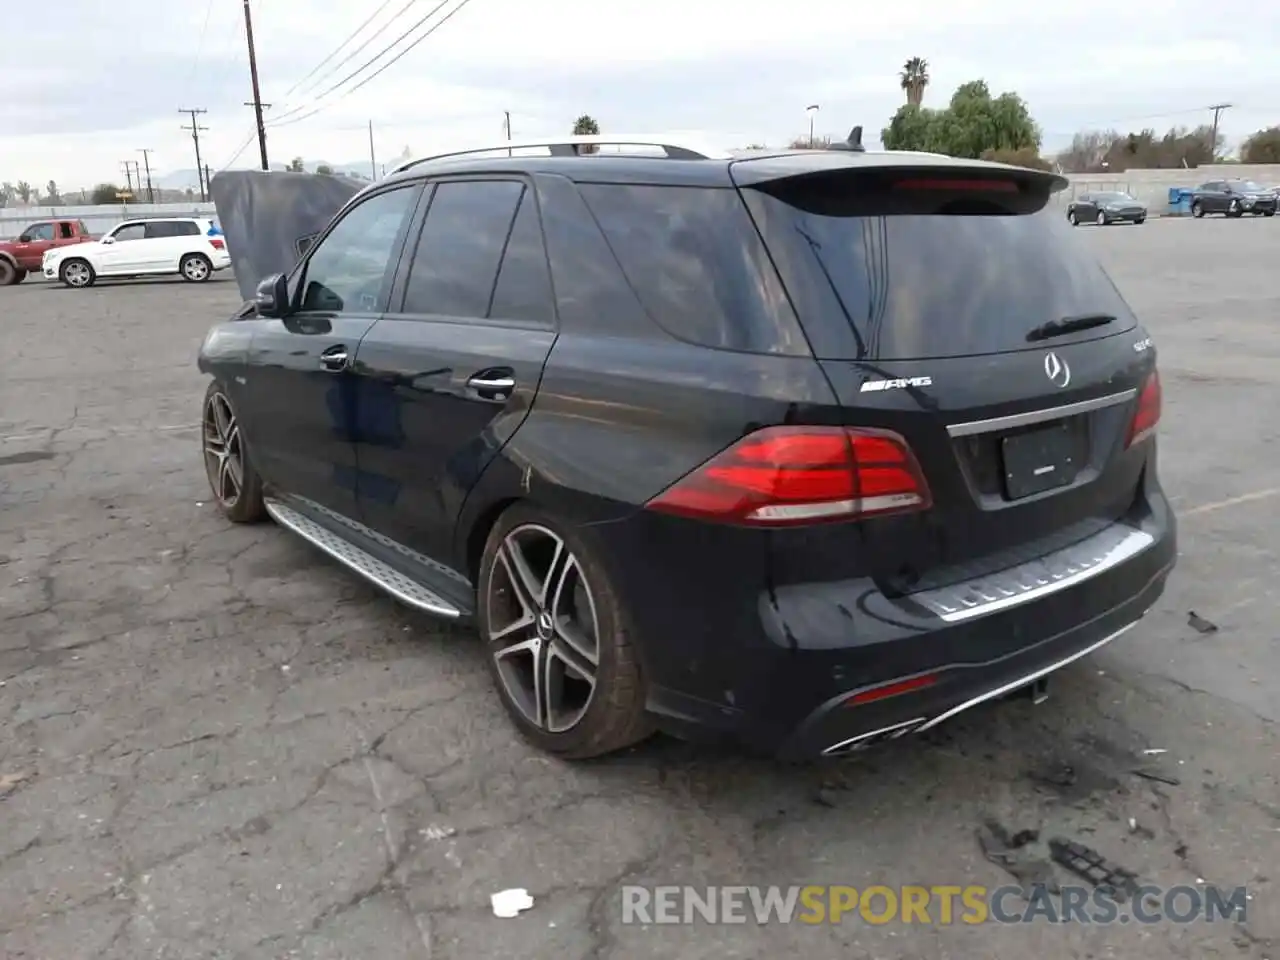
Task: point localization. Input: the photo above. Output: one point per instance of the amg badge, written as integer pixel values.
(871, 385)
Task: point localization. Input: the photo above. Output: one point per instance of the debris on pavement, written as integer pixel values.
(508, 903)
(10, 780)
(1157, 777)
(1002, 847)
(1200, 623)
(1155, 751)
(1090, 865)
(1138, 830)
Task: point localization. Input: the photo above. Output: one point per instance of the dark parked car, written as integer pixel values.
(807, 450)
(1105, 208)
(1234, 198)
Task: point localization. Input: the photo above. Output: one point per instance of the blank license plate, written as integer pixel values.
(1039, 461)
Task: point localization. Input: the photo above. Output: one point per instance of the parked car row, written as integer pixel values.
(194, 248)
(1230, 197)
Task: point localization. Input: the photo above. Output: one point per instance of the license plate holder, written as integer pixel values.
(1038, 461)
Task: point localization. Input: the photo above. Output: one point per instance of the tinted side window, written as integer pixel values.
(348, 268)
(697, 264)
(455, 265)
(40, 231)
(160, 229)
(134, 231)
(523, 291)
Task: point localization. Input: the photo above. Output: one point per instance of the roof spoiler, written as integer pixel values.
(854, 143)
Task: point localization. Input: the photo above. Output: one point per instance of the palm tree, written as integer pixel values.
(914, 78)
(24, 191)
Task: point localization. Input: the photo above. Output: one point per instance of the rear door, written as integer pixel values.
(450, 372)
(930, 299)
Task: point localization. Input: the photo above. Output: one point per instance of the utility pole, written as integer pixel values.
(195, 129)
(128, 173)
(257, 94)
(507, 114)
(1217, 109)
(208, 179)
(373, 161)
(812, 109)
(146, 160)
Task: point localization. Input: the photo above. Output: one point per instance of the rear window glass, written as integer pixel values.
(915, 285)
(697, 265)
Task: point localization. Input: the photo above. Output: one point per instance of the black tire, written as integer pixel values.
(195, 268)
(1101, 219)
(1072, 218)
(1140, 221)
(1197, 209)
(1234, 210)
(614, 716)
(8, 273)
(246, 506)
(72, 276)
(1268, 213)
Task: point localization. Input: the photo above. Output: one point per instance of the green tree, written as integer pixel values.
(7, 193)
(914, 78)
(1262, 147)
(973, 122)
(25, 191)
(820, 142)
(295, 165)
(325, 169)
(105, 193)
(586, 126)
(52, 194)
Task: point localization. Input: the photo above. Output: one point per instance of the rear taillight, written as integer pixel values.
(1147, 415)
(784, 476)
(218, 243)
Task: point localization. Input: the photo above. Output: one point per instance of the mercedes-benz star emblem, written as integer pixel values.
(1056, 369)
(546, 626)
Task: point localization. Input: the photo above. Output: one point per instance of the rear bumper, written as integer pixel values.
(779, 675)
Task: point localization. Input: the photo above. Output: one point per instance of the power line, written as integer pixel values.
(365, 66)
(204, 27)
(355, 33)
(436, 26)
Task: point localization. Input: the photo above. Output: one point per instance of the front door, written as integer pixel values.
(302, 396)
(31, 245)
(126, 252)
(449, 374)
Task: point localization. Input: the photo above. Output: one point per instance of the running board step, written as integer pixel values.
(380, 574)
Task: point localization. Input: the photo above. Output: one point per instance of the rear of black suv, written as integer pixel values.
(944, 484)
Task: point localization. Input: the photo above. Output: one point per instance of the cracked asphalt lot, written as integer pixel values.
(218, 744)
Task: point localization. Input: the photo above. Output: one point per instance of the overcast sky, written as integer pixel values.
(91, 83)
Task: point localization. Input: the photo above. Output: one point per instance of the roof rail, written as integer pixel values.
(567, 146)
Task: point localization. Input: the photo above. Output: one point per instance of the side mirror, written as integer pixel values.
(272, 297)
(108, 240)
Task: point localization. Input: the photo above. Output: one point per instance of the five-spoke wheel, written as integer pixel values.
(557, 643)
(232, 479)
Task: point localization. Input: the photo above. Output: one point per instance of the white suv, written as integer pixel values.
(192, 247)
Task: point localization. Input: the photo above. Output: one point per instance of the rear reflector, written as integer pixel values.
(1147, 416)
(892, 689)
(788, 476)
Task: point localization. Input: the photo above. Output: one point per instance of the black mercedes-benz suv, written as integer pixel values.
(806, 450)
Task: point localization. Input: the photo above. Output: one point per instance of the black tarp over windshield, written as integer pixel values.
(265, 215)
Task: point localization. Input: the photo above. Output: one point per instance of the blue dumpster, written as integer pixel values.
(1179, 201)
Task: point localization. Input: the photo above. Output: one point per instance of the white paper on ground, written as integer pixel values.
(508, 903)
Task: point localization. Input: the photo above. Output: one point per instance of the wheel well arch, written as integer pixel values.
(9, 258)
(478, 535)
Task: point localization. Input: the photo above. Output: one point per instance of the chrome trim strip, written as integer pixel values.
(1029, 678)
(972, 427)
(1037, 578)
(904, 727)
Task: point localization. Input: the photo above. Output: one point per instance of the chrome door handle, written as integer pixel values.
(334, 359)
(492, 384)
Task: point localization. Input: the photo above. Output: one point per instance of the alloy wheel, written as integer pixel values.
(223, 452)
(194, 268)
(76, 274)
(1101, 219)
(543, 632)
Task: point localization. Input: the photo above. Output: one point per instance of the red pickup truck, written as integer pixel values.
(25, 255)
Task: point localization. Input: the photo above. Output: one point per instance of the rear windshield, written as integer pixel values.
(901, 286)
